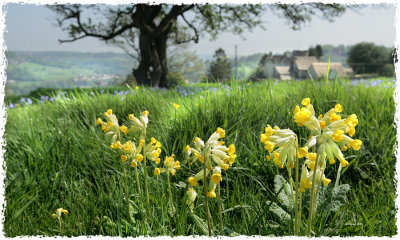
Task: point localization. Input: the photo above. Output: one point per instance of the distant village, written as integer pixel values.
(299, 65)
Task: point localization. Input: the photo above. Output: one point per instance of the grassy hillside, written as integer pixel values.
(27, 71)
(56, 157)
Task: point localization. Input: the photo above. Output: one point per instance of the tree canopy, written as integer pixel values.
(369, 58)
(220, 68)
(146, 30)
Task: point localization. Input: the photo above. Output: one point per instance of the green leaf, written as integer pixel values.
(278, 212)
(200, 224)
(284, 196)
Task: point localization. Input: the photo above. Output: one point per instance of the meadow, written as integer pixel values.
(56, 156)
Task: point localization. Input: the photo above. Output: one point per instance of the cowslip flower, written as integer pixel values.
(332, 138)
(285, 143)
(191, 197)
(59, 212)
(216, 156)
(170, 166)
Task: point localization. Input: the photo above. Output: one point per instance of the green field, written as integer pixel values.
(56, 156)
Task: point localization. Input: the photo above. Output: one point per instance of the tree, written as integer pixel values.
(181, 59)
(146, 29)
(259, 73)
(319, 51)
(368, 58)
(220, 68)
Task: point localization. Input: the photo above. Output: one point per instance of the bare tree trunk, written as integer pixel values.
(152, 70)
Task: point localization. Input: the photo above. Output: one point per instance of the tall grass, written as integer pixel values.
(57, 157)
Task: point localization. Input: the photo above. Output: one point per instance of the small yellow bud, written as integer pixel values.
(176, 106)
(133, 164)
(351, 131)
(145, 113)
(331, 161)
(221, 132)
(104, 128)
(302, 152)
(326, 181)
(322, 124)
(187, 148)
(157, 171)
(268, 157)
(211, 194)
(225, 166)
(216, 178)
(124, 158)
(110, 124)
(124, 129)
(356, 144)
(108, 112)
(99, 121)
(305, 102)
(139, 157)
(334, 117)
(338, 108)
(141, 142)
(343, 162)
(312, 156)
(192, 181)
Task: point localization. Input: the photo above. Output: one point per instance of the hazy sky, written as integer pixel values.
(32, 27)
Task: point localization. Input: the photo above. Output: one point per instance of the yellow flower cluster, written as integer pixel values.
(129, 150)
(212, 151)
(59, 212)
(329, 132)
(285, 143)
(170, 166)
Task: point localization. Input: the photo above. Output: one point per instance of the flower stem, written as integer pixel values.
(310, 211)
(138, 187)
(127, 193)
(338, 175)
(59, 221)
(169, 191)
(296, 203)
(220, 209)
(205, 196)
(145, 186)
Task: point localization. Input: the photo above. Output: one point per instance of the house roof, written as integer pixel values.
(279, 58)
(303, 63)
(320, 68)
(282, 70)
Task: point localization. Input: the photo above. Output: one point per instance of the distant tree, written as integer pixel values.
(368, 58)
(181, 59)
(146, 29)
(319, 51)
(220, 68)
(312, 51)
(259, 73)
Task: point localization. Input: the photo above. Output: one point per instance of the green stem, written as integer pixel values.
(59, 221)
(296, 203)
(310, 211)
(220, 209)
(205, 196)
(145, 186)
(127, 193)
(169, 191)
(138, 187)
(338, 175)
(299, 216)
